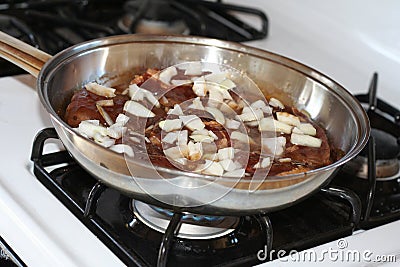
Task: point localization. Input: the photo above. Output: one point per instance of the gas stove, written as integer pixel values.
(48, 222)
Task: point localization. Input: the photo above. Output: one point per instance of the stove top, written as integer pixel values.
(55, 25)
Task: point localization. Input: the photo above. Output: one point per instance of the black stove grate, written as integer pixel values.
(328, 215)
(54, 25)
(380, 198)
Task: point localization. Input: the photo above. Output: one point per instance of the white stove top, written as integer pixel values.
(348, 41)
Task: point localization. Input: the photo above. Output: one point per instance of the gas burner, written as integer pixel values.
(193, 226)
(385, 130)
(387, 163)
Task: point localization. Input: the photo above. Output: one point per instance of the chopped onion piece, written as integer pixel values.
(122, 148)
(105, 103)
(259, 104)
(276, 103)
(217, 114)
(202, 138)
(122, 119)
(275, 145)
(263, 163)
(177, 110)
(105, 115)
(166, 75)
(91, 127)
(180, 82)
(199, 86)
(216, 77)
(170, 138)
(288, 118)
(226, 153)
(192, 122)
(269, 124)
(173, 152)
(241, 137)
(138, 94)
(235, 173)
(283, 160)
(194, 68)
(307, 128)
(305, 140)
(251, 115)
(232, 124)
(182, 161)
(216, 95)
(138, 109)
(183, 137)
(213, 168)
(103, 140)
(228, 165)
(227, 84)
(212, 134)
(201, 132)
(196, 104)
(170, 125)
(195, 151)
(116, 131)
(100, 90)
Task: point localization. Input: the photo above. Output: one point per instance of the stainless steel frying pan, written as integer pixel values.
(110, 59)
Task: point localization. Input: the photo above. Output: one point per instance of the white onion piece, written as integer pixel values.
(100, 90)
(105, 115)
(91, 127)
(305, 140)
(274, 145)
(232, 124)
(288, 118)
(235, 173)
(180, 82)
(166, 75)
(241, 137)
(138, 109)
(269, 124)
(173, 152)
(103, 140)
(195, 151)
(217, 114)
(226, 153)
(138, 94)
(213, 168)
(229, 165)
(216, 77)
(123, 148)
(122, 119)
(201, 138)
(170, 138)
(199, 86)
(276, 103)
(196, 104)
(192, 122)
(177, 110)
(116, 130)
(285, 160)
(170, 125)
(307, 128)
(193, 68)
(251, 115)
(227, 84)
(105, 103)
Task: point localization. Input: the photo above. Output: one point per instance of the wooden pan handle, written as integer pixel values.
(21, 54)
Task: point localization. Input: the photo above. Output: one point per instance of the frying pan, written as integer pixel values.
(110, 60)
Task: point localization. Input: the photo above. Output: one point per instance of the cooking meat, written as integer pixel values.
(202, 135)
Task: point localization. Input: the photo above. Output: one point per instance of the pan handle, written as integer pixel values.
(21, 54)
